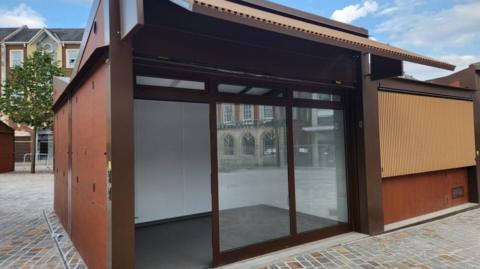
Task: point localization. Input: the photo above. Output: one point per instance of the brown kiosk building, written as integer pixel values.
(7, 152)
(202, 132)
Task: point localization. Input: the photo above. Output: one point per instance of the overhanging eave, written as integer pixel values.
(237, 13)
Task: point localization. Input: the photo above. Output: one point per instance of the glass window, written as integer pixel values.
(228, 145)
(253, 191)
(317, 96)
(269, 143)
(71, 57)
(248, 144)
(16, 57)
(249, 90)
(267, 113)
(247, 113)
(320, 173)
(228, 115)
(170, 83)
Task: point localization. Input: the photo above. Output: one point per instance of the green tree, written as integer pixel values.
(28, 94)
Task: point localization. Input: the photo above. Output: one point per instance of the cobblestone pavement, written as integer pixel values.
(25, 238)
(452, 242)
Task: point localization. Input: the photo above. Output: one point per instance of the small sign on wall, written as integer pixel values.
(458, 192)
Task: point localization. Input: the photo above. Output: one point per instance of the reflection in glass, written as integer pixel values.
(249, 90)
(252, 180)
(170, 83)
(320, 176)
(317, 96)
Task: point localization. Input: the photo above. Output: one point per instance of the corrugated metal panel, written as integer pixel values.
(421, 134)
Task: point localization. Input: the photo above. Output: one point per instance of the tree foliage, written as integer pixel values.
(27, 96)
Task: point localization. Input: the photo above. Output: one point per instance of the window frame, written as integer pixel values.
(10, 59)
(67, 62)
(249, 147)
(224, 114)
(243, 109)
(231, 147)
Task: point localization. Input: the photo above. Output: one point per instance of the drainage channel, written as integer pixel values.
(56, 238)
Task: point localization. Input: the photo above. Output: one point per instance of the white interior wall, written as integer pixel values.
(172, 160)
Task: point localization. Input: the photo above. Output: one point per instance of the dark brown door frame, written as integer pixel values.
(120, 143)
(212, 97)
(370, 192)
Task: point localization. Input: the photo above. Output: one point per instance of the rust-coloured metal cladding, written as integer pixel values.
(94, 35)
(59, 85)
(414, 195)
(7, 148)
(61, 141)
(464, 78)
(89, 209)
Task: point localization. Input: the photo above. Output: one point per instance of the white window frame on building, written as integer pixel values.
(264, 116)
(69, 64)
(228, 118)
(246, 113)
(11, 58)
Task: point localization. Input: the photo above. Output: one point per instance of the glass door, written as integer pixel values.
(281, 169)
(320, 171)
(252, 175)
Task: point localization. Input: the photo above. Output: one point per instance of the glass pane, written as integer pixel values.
(252, 179)
(17, 57)
(249, 90)
(317, 96)
(170, 83)
(320, 173)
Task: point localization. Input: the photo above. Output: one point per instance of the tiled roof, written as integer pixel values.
(23, 36)
(64, 34)
(26, 34)
(6, 31)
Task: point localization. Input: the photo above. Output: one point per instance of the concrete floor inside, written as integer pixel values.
(188, 243)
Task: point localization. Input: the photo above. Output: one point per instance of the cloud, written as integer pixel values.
(423, 72)
(353, 12)
(21, 15)
(409, 25)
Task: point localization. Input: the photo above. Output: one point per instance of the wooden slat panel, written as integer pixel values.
(421, 134)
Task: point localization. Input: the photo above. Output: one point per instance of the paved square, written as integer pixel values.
(452, 242)
(26, 242)
(25, 238)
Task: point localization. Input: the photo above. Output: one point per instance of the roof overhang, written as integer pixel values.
(230, 11)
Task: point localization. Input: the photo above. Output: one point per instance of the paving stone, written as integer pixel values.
(452, 242)
(25, 238)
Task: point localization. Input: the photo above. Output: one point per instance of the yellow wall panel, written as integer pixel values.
(421, 134)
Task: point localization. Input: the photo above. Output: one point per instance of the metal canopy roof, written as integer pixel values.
(226, 10)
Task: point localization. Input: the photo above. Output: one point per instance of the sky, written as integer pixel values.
(448, 30)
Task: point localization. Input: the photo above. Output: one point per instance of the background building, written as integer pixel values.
(18, 43)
